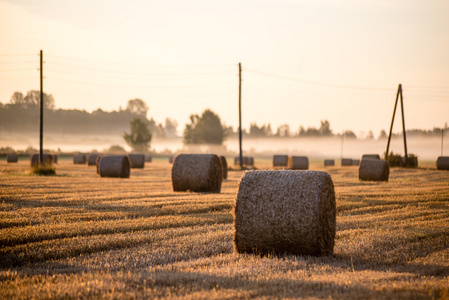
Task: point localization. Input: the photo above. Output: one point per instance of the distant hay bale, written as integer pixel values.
(355, 162)
(137, 160)
(374, 170)
(224, 165)
(148, 158)
(329, 162)
(55, 158)
(247, 160)
(285, 212)
(47, 160)
(12, 158)
(171, 159)
(346, 162)
(92, 160)
(280, 160)
(97, 163)
(298, 163)
(114, 166)
(79, 159)
(197, 173)
(370, 156)
(443, 163)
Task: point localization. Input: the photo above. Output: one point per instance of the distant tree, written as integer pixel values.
(349, 134)
(383, 134)
(140, 136)
(138, 107)
(32, 99)
(206, 129)
(262, 131)
(283, 131)
(325, 128)
(171, 127)
(115, 149)
(156, 130)
(370, 135)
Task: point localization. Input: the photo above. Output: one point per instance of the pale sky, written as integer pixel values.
(181, 57)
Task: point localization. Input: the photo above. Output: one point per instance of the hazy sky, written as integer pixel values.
(303, 61)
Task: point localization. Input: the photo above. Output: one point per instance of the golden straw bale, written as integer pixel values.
(346, 162)
(298, 162)
(374, 170)
(370, 156)
(79, 159)
(355, 162)
(280, 160)
(329, 162)
(197, 173)
(115, 166)
(137, 160)
(248, 161)
(12, 158)
(443, 163)
(224, 165)
(92, 160)
(47, 159)
(285, 212)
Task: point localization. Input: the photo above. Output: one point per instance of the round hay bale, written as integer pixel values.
(443, 163)
(374, 170)
(12, 158)
(171, 159)
(148, 158)
(248, 161)
(97, 163)
(197, 173)
(224, 166)
(47, 159)
(329, 162)
(280, 160)
(355, 162)
(285, 212)
(370, 156)
(298, 163)
(346, 162)
(137, 160)
(115, 166)
(79, 159)
(92, 160)
(55, 158)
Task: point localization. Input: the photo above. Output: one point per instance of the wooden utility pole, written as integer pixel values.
(41, 117)
(240, 116)
(442, 136)
(399, 93)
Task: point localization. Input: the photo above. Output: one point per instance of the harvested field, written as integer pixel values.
(77, 235)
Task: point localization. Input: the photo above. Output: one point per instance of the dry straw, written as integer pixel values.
(92, 160)
(329, 162)
(197, 173)
(114, 166)
(280, 160)
(443, 163)
(285, 212)
(79, 159)
(370, 156)
(12, 158)
(298, 163)
(374, 170)
(97, 163)
(346, 162)
(137, 160)
(47, 160)
(224, 166)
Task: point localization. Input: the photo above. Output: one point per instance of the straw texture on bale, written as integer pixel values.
(224, 166)
(137, 160)
(329, 162)
(115, 166)
(47, 160)
(97, 163)
(346, 162)
(92, 160)
(280, 160)
(79, 159)
(298, 163)
(285, 212)
(370, 156)
(197, 173)
(12, 158)
(374, 170)
(443, 163)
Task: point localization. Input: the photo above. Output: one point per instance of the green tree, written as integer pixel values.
(140, 136)
(137, 107)
(206, 129)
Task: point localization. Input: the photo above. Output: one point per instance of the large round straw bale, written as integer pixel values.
(97, 163)
(355, 162)
(329, 162)
(12, 158)
(443, 163)
(374, 170)
(280, 160)
(148, 158)
(92, 160)
(298, 162)
(224, 166)
(346, 162)
(137, 160)
(79, 159)
(370, 156)
(47, 160)
(285, 212)
(197, 173)
(115, 166)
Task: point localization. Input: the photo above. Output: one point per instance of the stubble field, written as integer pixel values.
(76, 235)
